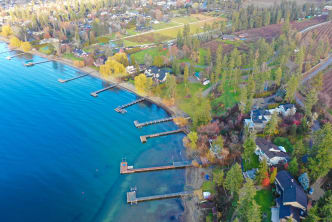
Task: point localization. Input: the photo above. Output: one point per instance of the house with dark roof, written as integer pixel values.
(272, 153)
(292, 202)
(260, 117)
(157, 74)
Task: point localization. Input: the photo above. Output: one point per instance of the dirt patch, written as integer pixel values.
(326, 94)
(273, 31)
(321, 33)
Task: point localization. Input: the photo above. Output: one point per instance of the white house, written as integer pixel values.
(269, 151)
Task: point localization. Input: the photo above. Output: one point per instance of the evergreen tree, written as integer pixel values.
(271, 127)
(278, 76)
(249, 148)
(310, 101)
(234, 179)
(243, 99)
(291, 88)
(218, 177)
(262, 171)
(293, 166)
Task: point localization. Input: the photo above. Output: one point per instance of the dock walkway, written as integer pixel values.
(125, 169)
(121, 109)
(144, 138)
(133, 199)
(36, 63)
(10, 57)
(95, 94)
(71, 79)
(140, 125)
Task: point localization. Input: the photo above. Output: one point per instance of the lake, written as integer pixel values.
(60, 149)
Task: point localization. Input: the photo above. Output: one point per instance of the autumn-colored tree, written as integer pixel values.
(6, 31)
(14, 42)
(26, 46)
(121, 58)
(273, 175)
(142, 84)
(112, 68)
(193, 138)
(266, 180)
(79, 63)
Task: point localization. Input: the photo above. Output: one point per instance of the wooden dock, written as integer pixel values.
(7, 51)
(95, 94)
(133, 199)
(140, 125)
(10, 57)
(144, 138)
(36, 63)
(121, 109)
(125, 169)
(68, 80)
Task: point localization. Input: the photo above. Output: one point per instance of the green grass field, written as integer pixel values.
(72, 57)
(264, 199)
(163, 25)
(227, 100)
(185, 19)
(139, 56)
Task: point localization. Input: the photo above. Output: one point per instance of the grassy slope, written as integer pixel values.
(139, 56)
(264, 199)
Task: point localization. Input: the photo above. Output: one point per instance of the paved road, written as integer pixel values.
(313, 27)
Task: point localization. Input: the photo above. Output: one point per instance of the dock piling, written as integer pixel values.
(133, 199)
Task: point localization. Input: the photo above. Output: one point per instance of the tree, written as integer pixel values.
(278, 76)
(219, 143)
(310, 101)
(193, 137)
(218, 177)
(26, 46)
(262, 171)
(234, 179)
(170, 86)
(121, 58)
(291, 88)
(271, 127)
(273, 175)
(299, 149)
(147, 60)
(304, 181)
(14, 42)
(243, 99)
(293, 166)
(186, 75)
(6, 31)
(142, 84)
(249, 148)
(321, 161)
(247, 208)
(158, 61)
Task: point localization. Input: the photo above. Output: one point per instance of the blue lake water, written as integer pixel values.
(60, 149)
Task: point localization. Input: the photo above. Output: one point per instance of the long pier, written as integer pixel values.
(133, 199)
(125, 169)
(71, 79)
(36, 63)
(95, 94)
(144, 138)
(10, 57)
(121, 109)
(6, 51)
(140, 125)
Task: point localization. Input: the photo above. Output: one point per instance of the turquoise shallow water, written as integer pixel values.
(60, 149)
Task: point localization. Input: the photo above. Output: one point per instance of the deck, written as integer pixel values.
(36, 63)
(146, 137)
(121, 109)
(95, 94)
(133, 199)
(10, 57)
(71, 79)
(125, 169)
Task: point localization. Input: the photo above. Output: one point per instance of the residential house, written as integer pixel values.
(287, 109)
(260, 117)
(272, 153)
(79, 52)
(292, 202)
(230, 37)
(100, 61)
(131, 70)
(158, 74)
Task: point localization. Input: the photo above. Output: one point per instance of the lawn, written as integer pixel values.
(71, 57)
(283, 141)
(184, 97)
(254, 163)
(131, 31)
(228, 99)
(264, 199)
(139, 56)
(128, 43)
(330, 111)
(185, 19)
(163, 25)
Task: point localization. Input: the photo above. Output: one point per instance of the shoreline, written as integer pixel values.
(191, 209)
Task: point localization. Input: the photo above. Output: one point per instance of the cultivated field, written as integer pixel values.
(321, 33)
(272, 31)
(326, 93)
(269, 3)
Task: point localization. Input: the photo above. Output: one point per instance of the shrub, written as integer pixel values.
(273, 105)
(263, 94)
(283, 141)
(103, 39)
